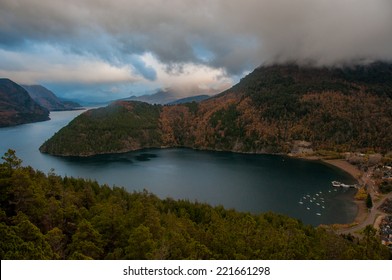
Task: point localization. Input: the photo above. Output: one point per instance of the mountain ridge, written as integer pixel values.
(196, 98)
(338, 109)
(17, 107)
(47, 99)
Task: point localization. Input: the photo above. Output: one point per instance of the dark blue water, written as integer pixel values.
(255, 183)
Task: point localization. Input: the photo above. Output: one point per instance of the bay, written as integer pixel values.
(255, 183)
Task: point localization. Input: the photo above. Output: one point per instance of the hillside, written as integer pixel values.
(136, 127)
(17, 107)
(161, 96)
(197, 98)
(48, 99)
(50, 217)
(337, 109)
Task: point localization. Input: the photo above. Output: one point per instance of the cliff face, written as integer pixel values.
(269, 110)
(17, 107)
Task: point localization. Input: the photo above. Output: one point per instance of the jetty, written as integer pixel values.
(337, 184)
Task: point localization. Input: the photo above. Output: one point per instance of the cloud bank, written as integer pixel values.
(115, 38)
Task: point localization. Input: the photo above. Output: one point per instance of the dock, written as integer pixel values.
(337, 184)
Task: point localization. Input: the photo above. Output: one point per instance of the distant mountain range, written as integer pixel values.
(160, 97)
(49, 100)
(165, 96)
(334, 109)
(17, 107)
(29, 103)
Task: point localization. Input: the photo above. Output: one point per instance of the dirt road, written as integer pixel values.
(366, 179)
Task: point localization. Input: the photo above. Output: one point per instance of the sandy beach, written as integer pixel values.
(347, 167)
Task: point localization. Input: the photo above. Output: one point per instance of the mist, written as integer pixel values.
(227, 37)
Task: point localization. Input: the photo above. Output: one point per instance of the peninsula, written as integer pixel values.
(268, 111)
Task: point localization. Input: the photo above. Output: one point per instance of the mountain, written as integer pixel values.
(48, 99)
(168, 96)
(268, 111)
(159, 97)
(17, 107)
(197, 98)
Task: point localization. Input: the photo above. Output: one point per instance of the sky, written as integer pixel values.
(110, 49)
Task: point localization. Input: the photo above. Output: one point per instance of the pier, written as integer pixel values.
(337, 184)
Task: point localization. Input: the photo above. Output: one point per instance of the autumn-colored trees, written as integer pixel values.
(335, 109)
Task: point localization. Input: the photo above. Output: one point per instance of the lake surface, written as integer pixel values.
(255, 183)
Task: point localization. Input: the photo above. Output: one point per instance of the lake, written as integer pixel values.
(254, 183)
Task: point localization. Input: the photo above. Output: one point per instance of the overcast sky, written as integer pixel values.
(109, 49)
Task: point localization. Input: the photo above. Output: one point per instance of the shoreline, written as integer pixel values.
(346, 167)
(341, 164)
(358, 176)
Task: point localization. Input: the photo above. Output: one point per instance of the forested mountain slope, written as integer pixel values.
(338, 109)
(17, 107)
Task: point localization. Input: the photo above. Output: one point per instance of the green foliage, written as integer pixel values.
(11, 161)
(227, 127)
(120, 126)
(192, 106)
(68, 218)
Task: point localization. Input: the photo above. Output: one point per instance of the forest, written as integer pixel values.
(339, 110)
(45, 216)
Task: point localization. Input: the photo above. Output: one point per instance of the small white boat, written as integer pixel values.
(307, 208)
(318, 214)
(300, 202)
(336, 184)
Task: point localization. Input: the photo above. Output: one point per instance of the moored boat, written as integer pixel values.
(336, 184)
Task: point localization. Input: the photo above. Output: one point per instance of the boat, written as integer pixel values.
(336, 184)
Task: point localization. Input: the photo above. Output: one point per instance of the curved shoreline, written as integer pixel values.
(345, 166)
(341, 164)
(364, 216)
(357, 175)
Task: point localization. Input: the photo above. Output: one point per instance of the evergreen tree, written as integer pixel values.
(369, 202)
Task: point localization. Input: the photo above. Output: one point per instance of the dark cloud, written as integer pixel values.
(146, 71)
(236, 35)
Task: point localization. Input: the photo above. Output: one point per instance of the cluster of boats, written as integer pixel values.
(316, 200)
